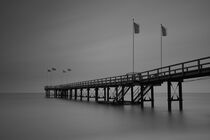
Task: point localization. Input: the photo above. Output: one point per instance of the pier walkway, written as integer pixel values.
(134, 88)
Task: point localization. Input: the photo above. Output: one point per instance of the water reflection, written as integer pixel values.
(34, 117)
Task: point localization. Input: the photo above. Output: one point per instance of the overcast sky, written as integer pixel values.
(94, 39)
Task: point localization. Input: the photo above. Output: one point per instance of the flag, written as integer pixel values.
(48, 70)
(136, 28)
(54, 69)
(163, 30)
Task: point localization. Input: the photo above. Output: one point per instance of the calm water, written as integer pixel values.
(33, 117)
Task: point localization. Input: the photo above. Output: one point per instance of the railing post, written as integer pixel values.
(169, 71)
(182, 69)
(139, 76)
(199, 67)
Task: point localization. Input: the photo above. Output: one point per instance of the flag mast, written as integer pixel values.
(163, 33)
(161, 54)
(133, 44)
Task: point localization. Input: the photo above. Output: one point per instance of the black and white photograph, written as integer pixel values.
(104, 69)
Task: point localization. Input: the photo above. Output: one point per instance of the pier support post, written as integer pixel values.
(108, 94)
(116, 91)
(88, 94)
(55, 93)
(70, 94)
(61, 94)
(46, 93)
(169, 95)
(75, 94)
(180, 96)
(96, 94)
(132, 101)
(122, 94)
(142, 96)
(81, 94)
(66, 93)
(152, 96)
(105, 94)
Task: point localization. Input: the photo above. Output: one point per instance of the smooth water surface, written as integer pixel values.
(34, 117)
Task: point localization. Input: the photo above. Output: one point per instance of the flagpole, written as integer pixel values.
(161, 54)
(133, 44)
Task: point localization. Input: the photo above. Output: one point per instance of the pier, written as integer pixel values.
(134, 88)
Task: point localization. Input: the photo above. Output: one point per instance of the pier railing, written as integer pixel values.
(179, 70)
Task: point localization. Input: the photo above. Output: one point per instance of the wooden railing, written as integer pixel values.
(180, 68)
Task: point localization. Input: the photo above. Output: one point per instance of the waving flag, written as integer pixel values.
(163, 30)
(136, 28)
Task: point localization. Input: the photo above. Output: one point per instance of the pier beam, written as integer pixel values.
(169, 95)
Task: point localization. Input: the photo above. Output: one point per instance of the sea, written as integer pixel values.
(31, 116)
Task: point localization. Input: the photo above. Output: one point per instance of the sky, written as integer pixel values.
(94, 39)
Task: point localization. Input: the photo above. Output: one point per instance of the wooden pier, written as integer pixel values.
(134, 88)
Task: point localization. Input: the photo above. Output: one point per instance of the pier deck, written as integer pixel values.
(138, 86)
